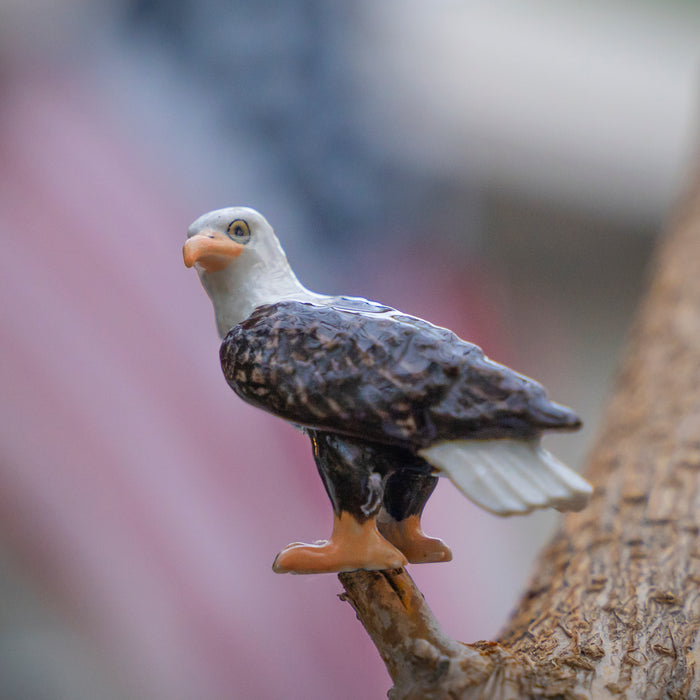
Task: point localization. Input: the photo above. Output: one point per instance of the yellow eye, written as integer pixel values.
(239, 231)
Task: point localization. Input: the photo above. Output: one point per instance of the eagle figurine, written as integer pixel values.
(389, 401)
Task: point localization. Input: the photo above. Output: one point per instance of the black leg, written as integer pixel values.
(350, 474)
(359, 477)
(407, 490)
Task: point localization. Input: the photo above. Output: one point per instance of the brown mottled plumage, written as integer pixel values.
(367, 371)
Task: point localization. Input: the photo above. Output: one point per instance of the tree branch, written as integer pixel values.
(614, 607)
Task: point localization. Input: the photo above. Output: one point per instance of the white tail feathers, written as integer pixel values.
(509, 477)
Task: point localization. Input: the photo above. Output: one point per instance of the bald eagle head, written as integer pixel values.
(240, 263)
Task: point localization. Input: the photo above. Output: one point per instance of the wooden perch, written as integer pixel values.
(613, 610)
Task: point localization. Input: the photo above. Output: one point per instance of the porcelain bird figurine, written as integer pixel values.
(389, 401)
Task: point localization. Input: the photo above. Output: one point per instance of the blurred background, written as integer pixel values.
(501, 168)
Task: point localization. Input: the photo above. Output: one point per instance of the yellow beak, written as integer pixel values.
(212, 250)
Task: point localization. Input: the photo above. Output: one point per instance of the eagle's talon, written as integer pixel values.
(407, 536)
(353, 545)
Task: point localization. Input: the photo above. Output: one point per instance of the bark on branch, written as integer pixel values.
(613, 610)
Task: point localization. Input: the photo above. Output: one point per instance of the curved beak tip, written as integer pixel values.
(188, 255)
(212, 252)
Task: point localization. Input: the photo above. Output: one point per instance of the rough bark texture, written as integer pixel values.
(613, 610)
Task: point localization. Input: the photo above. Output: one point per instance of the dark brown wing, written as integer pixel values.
(380, 375)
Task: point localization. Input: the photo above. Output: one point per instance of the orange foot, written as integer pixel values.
(352, 546)
(407, 536)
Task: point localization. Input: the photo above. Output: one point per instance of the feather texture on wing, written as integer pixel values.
(367, 371)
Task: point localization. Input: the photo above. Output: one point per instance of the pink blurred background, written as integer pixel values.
(500, 170)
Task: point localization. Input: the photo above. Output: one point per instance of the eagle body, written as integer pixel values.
(388, 400)
(367, 371)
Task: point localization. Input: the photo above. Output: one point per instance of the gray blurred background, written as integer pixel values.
(501, 168)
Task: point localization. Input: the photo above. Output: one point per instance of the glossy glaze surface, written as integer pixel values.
(388, 400)
(381, 376)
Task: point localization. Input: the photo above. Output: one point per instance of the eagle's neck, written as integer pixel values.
(239, 289)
